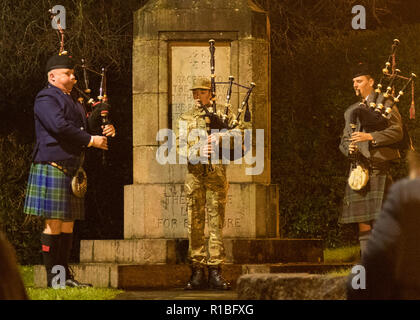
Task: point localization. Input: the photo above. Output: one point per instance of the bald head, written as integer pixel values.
(63, 79)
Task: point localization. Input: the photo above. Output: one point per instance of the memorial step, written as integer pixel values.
(292, 286)
(174, 251)
(160, 276)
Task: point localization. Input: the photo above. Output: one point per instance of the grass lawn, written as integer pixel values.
(64, 294)
(344, 254)
(341, 272)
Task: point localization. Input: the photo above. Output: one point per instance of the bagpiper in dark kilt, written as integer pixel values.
(364, 206)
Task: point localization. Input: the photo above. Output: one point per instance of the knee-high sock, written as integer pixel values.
(363, 239)
(50, 253)
(65, 252)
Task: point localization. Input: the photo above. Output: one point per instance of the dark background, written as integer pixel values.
(313, 48)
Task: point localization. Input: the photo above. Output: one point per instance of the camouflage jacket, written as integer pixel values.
(191, 135)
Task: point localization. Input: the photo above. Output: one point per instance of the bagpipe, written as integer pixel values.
(220, 119)
(375, 117)
(97, 111)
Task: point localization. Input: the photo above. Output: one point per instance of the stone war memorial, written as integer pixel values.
(170, 49)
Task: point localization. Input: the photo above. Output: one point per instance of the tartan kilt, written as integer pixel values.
(365, 205)
(49, 193)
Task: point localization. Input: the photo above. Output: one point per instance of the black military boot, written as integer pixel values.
(216, 281)
(197, 280)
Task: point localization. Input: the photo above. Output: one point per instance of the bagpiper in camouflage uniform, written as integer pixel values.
(205, 185)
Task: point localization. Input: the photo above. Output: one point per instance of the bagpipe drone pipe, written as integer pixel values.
(221, 119)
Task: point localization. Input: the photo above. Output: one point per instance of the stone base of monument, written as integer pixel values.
(298, 286)
(159, 210)
(175, 251)
(162, 263)
(161, 276)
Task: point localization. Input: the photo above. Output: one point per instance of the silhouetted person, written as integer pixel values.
(11, 284)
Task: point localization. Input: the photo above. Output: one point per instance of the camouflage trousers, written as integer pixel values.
(206, 191)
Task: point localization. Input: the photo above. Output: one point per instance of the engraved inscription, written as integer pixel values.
(190, 62)
(174, 203)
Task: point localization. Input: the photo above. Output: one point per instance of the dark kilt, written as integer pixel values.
(49, 193)
(365, 205)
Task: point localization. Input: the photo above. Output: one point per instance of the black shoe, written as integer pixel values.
(216, 281)
(197, 280)
(72, 283)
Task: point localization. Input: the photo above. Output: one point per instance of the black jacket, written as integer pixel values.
(392, 258)
(60, 126)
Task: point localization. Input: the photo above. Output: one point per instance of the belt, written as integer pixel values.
(61, 168)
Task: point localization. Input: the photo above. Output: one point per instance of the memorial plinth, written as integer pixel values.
(160, 211)
(170, 49)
